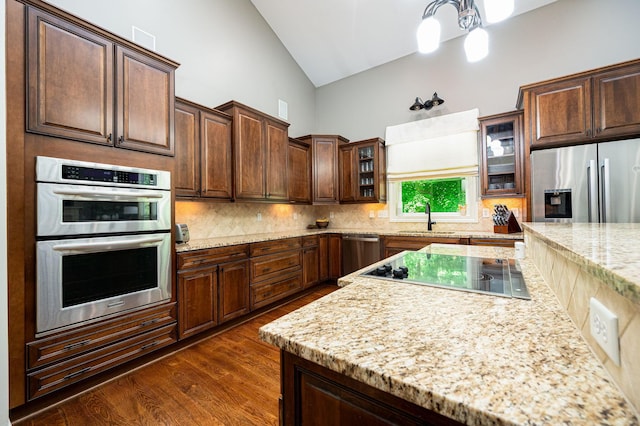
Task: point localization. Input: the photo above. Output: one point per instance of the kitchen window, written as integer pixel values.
(434, 161)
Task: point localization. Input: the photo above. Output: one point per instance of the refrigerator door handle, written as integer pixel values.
(592, 190)
(605, 188)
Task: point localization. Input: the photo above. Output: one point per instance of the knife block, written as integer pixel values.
(511, 227)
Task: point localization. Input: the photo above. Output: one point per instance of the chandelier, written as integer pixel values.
(476, 44)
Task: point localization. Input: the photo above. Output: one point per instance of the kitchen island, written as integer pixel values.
(472, 358)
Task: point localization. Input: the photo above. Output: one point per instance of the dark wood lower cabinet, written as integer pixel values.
(315, 395)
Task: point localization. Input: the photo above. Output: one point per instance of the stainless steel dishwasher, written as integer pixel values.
(358, 251)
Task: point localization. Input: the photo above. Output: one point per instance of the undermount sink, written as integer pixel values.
(427, 232)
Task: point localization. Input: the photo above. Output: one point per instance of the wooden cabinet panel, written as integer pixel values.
(260, 154)
(499, 242)
(363, 172)
(213, 287)
(600, 104)
(323, 257)
(264, 267)
(203, 152)
(324, 153)
(501, 155)
(233, 282)
(47, 380)
(74, 76)
(315, 395)
(53, 349)
(187, 153)
(348, 173)
(145, 103)
(277, 150)
(616, 102)
(561, 112)
(272, 290)
(310, 266)
(274, 246)
(70, 73)
(335, 256)
(249, 160)
(198, 297)
(299, 167)
(216, 155)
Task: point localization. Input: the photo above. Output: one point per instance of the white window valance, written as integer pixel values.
(435, 147)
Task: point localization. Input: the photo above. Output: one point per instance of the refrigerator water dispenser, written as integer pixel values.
(557, 204)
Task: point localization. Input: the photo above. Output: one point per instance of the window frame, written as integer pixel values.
(394, 202)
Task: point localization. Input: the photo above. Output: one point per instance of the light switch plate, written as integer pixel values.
(604, 329)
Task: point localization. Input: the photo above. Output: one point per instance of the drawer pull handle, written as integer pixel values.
(76, 374)
(77, 344)
(149, 345)
(146, 323)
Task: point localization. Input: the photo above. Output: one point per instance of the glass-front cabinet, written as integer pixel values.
(363, 172)
(501, 155)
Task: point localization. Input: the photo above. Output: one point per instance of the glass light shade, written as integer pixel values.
(428, 35)
(498, 10)
(476, 45)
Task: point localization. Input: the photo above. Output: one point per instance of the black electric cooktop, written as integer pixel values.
(499, 277)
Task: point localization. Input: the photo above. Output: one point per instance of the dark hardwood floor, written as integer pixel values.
(232, 378)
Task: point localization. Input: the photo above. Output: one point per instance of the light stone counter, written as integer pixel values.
(609, 251)
(479, 359)
(205, 243)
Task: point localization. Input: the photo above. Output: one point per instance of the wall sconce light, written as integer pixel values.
(476, 45)
(433, 102)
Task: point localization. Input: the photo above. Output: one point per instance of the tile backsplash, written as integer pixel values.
(210, 220)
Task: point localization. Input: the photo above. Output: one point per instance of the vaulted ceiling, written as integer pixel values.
(333, 39)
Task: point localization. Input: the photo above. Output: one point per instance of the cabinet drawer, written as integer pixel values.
(264, 267)
(270, 291)
(79, 368)
(496, 242)
(212, 256)
(310, 241)
(56, 348)
(268, 247)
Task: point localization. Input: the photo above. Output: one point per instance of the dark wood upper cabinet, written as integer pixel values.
(596, 105)
(616, 101)
(260, 147)
(83, 85)
(326, 179)
(203, 152)
(299, 166)
(501, 159)
(363, 171)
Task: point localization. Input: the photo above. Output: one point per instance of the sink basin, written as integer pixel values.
(428, 232)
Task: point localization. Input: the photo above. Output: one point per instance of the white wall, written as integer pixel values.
(4, 301)
(225, 48)
(562, 38)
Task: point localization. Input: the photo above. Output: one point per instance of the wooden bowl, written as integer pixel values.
(322, 223)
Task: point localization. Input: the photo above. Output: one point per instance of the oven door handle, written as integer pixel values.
(110, 245)
(110, 194)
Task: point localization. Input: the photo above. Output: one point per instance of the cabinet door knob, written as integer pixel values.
(120, 140)
(109, 137)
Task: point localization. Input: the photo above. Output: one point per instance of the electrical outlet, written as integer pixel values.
(295, 216)
(604, 329)
(259, 217)
(331, 215)
(372, 214)
(383, 213)
(516, 211)
(486, 213)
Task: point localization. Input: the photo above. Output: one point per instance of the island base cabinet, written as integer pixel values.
(315, 395)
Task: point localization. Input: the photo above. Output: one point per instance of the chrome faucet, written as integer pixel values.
(427, 210)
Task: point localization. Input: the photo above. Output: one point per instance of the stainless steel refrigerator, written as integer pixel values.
(587, 183)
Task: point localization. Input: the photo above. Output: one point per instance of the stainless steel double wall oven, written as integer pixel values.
(103, 241)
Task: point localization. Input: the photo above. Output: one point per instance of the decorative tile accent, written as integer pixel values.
(587, 251)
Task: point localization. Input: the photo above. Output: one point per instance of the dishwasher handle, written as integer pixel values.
(365, 238)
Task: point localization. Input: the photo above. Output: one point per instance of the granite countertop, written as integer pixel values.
(607, 250)
(479, 359)
(205, 243)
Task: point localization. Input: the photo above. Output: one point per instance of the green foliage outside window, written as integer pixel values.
(445, 195)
